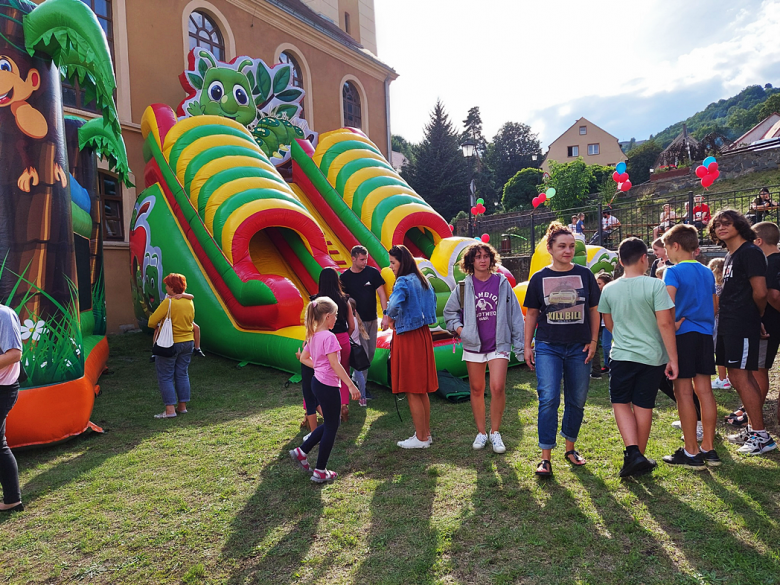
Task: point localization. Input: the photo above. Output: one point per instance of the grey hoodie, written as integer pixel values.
(509, 318)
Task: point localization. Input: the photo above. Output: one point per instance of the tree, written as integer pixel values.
(437, 170)
(770, 106)
(641, 160)
(400, 144)
(473, 128)
(741, 120)
(571, 182)
(521, 189)
(512, 150)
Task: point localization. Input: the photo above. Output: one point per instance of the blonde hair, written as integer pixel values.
(316, 311)
(716, 265)
(659, 272)
(358, 320)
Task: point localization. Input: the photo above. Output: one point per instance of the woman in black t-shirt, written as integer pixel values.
(562, 307)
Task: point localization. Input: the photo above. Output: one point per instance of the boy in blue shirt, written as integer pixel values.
(691, 285)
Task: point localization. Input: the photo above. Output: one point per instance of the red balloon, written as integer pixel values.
(713, 166)
(707, 181)
(452, 228)
(536, 201)
(485, 238)
(625, 186)
(701, 172)
(714, 174)
(542, 197)
(616, 177)
(474, 210)
(623, 178)
(480, 208)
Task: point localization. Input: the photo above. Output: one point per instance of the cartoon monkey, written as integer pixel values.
(14, 92)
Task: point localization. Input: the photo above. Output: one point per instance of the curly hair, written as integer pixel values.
(466, 263)
(740, 223)
(556, 229)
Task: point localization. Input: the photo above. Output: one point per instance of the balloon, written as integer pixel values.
(480, 201)
(621, 167)
(623, 177)
(714, 174)
(536, 201)
(701, 171)
(616, 177)
(485, 238)
(706, 162)
(625, 186)
(452, 228)
(707, 181)
(550, 193)
(713, 166)
(542, 197)
(474, 211)
(480, 208)
(478, 238)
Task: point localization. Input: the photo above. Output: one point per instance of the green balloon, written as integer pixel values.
(480, 201)
(550, 192)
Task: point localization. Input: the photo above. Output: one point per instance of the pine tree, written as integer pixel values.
(473, 128)
(438, 172)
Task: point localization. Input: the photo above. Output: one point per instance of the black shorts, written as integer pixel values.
(634, 383)
(767, 350)
(695, 354)
(739, 353)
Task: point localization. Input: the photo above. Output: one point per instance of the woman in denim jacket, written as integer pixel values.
(490, 324)
(412, 307)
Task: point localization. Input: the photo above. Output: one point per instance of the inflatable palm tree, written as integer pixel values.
(41, 204)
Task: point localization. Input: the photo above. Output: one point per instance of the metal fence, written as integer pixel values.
(516, 234)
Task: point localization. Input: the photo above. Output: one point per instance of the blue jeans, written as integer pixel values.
(606, 345)
(9, 473)
(359, 378)
(556, 361)
(172, 373)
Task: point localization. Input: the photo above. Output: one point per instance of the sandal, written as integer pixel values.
(546, 468)
(738, 421)
(323, 476)
(739, 412)
(578, 459)
(165, 415)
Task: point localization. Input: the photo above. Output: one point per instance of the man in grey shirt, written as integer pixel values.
(10, 356)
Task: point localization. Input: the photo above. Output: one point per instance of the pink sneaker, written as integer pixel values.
(299, 457)
(363, 402)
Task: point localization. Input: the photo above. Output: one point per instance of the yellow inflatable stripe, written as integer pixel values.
(446, 253)
(205, 143)
(186, 124)
(221, 164)
(329, 139)
(345, 157)
(380, 194)
(394, 218)
(226, 191)
(358, 177)
(149, 124)
(242, 213)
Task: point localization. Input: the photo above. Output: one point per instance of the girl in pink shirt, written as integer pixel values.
(322, 353)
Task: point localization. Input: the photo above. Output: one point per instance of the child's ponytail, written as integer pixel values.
(315, 313)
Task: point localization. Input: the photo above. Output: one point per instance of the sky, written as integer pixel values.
(633, 68)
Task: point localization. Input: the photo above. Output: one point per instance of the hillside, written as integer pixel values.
(732, 116)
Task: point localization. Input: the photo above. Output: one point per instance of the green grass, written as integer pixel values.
(211, 497)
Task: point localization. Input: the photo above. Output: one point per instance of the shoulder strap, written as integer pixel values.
(170, 302)
(462, 292)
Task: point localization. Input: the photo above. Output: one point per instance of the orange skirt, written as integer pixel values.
(412, 365)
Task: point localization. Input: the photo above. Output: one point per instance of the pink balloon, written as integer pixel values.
(623, 178)
(625, 186)
(707, 181)
(452, 228)
(701, 172)
(714, 174)
(616, 177)
(713, 166)
(485, 238)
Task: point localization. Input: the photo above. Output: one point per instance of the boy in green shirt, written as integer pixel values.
(637, 310)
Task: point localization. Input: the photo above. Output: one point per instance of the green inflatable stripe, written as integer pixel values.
(385, 207)
(194, 134)
(367, 186)
(205, 157)
(355, 165)
(222, 178)
(252, 292)
(302, 252)
(230, 205)
(340, 148)
(87, 322)
(332, 198)
(423, 242)
(82, 221)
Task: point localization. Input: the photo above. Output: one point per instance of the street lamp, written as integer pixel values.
(469, 147)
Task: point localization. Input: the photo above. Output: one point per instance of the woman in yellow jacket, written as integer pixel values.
(172, 372)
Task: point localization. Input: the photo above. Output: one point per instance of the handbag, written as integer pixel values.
(164, 344)
(358, 359)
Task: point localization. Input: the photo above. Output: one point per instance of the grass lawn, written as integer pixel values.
(212, 497)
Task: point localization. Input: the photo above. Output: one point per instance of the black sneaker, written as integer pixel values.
(595, 376)
(710, 458)
(198, 351)
(680, 458)
(636, 464)
(605, 370)
(368, 396)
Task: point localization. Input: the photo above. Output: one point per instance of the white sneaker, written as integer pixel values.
(677, 424)
(755, 445)
(480, 442)
(739, 438)
(498, 444)
(719, 384)
(413, 443)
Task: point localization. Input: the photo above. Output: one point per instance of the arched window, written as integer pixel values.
(205, 33)
(351, 97)
(288, 58)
